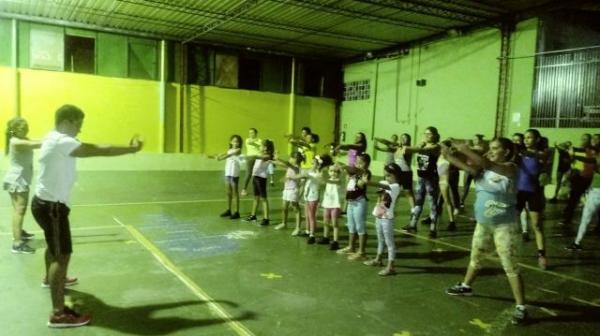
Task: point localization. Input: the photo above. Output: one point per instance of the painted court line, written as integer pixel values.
(238, 327)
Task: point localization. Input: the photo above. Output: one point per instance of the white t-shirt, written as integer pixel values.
(260, 168)
(232, 163)
(57, 173)
(394, 191)
(331, 196)
(20, 170)
(311, 188)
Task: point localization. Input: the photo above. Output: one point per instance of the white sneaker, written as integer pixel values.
(296, 232)
(280, 226)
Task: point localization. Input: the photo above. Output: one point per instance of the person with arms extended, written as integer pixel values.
(50, 205)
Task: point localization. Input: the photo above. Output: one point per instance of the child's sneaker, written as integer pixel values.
(243, 192)
(26, 235)
(525, 237)
(373, 262)
(311, 240)
(542, 262)
(251, 218)
(264, 222)
(460, 289)
(574, 247)
(451, 226)
(387, 271)
(68, 282)
(345, 250)
(334, 246)
(280, 226)
(226, 213)
(410, 230)
(68, 319)
(323, 241)
(235, 215)
(296, 232)
(22, 248)
(426, 221)
(432, 234)
(519, 315)
(357, 256)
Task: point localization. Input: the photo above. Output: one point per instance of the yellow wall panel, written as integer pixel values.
(115, 108)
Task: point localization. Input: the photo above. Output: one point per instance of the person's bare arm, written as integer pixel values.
(24, 144)
(90, 150)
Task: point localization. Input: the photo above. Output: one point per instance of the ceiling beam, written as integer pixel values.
(229, 15)
(335, 9)
(429, 10)
(258, 21)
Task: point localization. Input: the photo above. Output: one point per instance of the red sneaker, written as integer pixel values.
(68, 319)
(68, 282)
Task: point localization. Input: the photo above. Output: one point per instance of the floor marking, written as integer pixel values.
(479, 323)
(271, 276)
(100, 227)
(584, 301)
(548, 311)
(238, 327)
(403, 333)
(533, 268)
(547, 290)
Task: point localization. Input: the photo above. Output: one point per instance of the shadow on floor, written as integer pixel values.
(140, 320)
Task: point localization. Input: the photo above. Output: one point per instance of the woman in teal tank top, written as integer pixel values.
(496, 215)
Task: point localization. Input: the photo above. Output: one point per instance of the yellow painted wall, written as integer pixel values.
(115, 108)
(213, 114)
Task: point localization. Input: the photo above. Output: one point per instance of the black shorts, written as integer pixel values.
(406, 180)
(535, 201)
(260, 186)
(53, 218)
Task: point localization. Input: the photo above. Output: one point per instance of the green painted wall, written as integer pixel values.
(461, 92)
(5, 42)
(459, 96)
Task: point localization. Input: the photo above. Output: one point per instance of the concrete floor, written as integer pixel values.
(154, 258)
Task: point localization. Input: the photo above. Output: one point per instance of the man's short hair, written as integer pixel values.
(68, 112)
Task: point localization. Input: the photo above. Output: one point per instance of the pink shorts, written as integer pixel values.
(330, 213)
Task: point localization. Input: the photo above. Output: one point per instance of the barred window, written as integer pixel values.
(566, 90)
(359, 90)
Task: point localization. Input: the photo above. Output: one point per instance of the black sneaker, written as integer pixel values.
(235, 215)
(226, 213)
(26, 235)
(574, 247)
(264, 222)
(311, 240)
(432, 234)
(451, 226)
(22, 248)
(251, 218)
(553, 200)
(519, 316)
(334, 246)
(409, 229)
(323, 241)
(460, 289)
(525, 236)
(426, 221)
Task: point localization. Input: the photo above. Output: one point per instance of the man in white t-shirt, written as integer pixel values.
(50, 205)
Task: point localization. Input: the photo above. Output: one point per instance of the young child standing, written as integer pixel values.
(290, 190)
(311, 193)
(259, 181)
(18, 179)
(253, 144)
(356, 195)
(331, 207)
(384, 218)
(232, 175)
